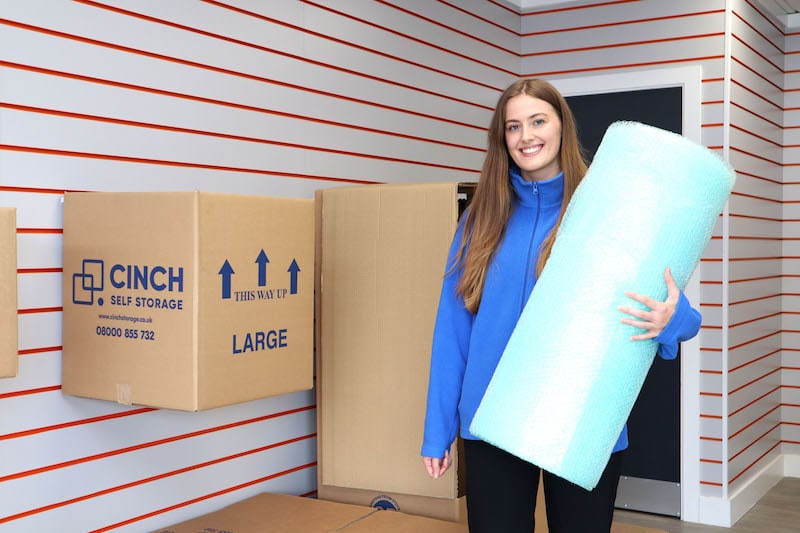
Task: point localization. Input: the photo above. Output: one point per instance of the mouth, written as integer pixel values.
(531, 150)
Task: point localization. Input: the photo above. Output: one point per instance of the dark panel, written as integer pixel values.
(654, 424)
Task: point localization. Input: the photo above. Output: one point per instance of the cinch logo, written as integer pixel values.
(91, 279)
(87, 282)
(385, 502)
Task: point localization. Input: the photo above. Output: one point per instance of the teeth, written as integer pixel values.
(532, 150)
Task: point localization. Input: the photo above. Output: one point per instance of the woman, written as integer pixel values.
(533, 165)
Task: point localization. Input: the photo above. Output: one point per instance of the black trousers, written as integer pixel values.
(501, 494)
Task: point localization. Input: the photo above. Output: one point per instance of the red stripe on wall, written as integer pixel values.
(150, 479)
(244, 107)
(431, 22)
(623, 23)
(27, 392)
(184, 164)
(759, 419)
(211, 68)
(763, 57)
(483, 19)
(44, 349)
(206, 497)
(618, 66)
(754, 381)
(220, 135)
(755, 30)
(742, 408)
(575, 8)
(751, 465)
(43, 270)
(302, 59)
(84, 421)
(152, 444)
(757, 359)
(7, 188)
(39, 231)
(764, 17)
(37, 310)
(622, 45)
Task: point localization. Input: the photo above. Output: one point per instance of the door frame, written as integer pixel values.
(689, 78)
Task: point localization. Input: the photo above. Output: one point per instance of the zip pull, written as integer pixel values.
(535, 188)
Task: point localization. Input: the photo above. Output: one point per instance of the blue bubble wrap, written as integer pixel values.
(570, 374)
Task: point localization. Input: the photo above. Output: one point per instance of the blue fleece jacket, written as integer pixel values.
(467, 347)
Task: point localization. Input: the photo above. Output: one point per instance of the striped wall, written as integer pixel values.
(752, 382)
(283, 98)
(790, 389)
(748, 372)
(267, 98)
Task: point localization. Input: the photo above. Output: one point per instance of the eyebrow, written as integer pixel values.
(529, 117)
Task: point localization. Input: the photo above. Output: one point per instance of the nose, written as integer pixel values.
(527, 132)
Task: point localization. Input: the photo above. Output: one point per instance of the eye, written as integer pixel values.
(512, 127)
(538, 121)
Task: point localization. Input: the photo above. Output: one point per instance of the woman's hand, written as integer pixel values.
(437, 466)
(654, 320)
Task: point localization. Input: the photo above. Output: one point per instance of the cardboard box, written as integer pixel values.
(276, 513)
(9, 328)
(381, 254)
(187, 300)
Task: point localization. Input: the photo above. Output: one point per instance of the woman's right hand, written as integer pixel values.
(437, 466)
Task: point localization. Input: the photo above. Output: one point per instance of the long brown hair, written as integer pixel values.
(492, 202)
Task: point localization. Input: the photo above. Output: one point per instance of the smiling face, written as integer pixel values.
(533, 137)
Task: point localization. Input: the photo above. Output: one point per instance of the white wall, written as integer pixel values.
(270, 98)
(282, 98)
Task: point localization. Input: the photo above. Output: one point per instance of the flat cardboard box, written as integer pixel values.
(187, 300)
(9, 349)
(381, 253)
(276, 513)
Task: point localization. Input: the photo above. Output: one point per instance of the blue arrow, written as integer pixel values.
(262, 261)
(226, 271)
(293, 270)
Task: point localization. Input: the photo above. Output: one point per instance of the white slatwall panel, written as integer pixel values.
(270, 98)
(755, 319)
(790, 393)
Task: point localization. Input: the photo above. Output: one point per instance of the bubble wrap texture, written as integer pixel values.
(570, 374)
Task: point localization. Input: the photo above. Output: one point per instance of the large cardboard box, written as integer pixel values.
(8, 292)
(277, 513)
(381, 255)
(187, 300)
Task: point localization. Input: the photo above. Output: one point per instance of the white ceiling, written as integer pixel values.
(786, 11)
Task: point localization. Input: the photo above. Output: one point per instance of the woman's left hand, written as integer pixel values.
(654, 320)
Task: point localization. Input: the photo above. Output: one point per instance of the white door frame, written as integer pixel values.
(690, 79)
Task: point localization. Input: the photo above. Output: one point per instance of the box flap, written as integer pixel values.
(279, 513)
(274, 513)
(383, 253)
(8, 293)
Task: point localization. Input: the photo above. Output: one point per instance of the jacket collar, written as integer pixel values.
(550, 192)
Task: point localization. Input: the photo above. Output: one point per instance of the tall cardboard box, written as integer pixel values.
(187, 300)
(8, 292)
(381, 255)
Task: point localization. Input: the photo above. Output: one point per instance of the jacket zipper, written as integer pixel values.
(523, 299)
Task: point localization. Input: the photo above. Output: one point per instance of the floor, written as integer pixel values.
(777, 512)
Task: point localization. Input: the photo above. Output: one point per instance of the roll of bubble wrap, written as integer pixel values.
(570, 374)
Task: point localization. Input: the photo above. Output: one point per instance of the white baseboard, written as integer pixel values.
(750, 493)
(791, 465)
(725, 512)
(714, 511)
